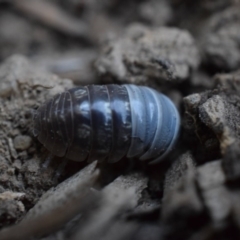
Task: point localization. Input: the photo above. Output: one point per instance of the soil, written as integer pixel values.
(190, 51)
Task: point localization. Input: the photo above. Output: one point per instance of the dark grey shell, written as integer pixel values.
(108, 122)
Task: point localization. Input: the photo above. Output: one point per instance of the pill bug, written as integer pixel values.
(108, 122)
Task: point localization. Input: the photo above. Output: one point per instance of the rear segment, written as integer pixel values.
(155, 124)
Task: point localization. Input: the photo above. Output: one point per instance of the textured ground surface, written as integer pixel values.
(189, 50)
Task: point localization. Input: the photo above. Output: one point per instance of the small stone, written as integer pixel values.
(177, 171)
(210, 175)
(215, 194)
(22, 142)
(181, 203)
(192, 100)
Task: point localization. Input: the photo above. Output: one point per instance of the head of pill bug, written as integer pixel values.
(106, 123)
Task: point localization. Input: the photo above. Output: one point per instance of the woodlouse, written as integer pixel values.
(108, 122)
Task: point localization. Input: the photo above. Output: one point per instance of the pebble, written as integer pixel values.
(22, 142)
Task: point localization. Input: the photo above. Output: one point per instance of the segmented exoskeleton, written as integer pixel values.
(108, 122)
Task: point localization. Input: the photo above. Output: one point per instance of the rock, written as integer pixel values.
(11, 207)
(218, 111)
(214, 116)
(210, 175)
(221, 117)
(211, 179)
(141, 55)
(10, 212)
(182, 207)
(22, 142)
